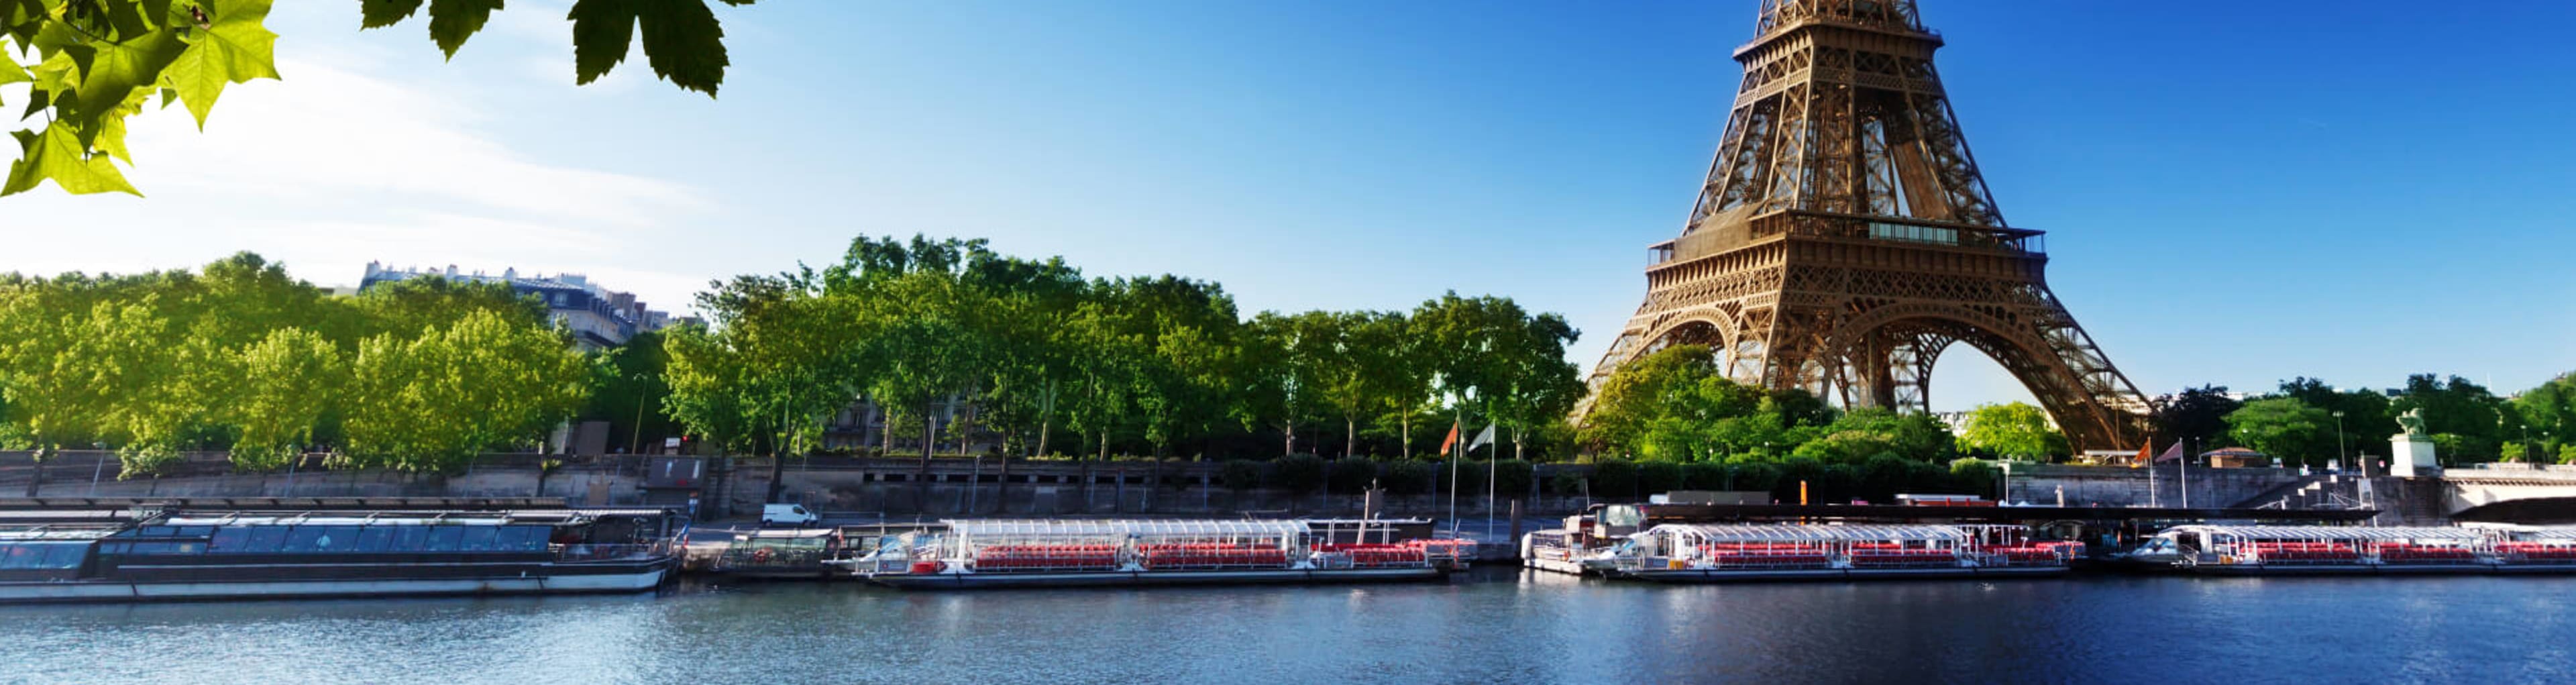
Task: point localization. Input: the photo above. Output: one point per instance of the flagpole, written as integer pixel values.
(2151, 475)
(1493, 468)
(1457, 424)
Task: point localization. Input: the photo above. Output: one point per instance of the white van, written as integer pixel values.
(786, 515)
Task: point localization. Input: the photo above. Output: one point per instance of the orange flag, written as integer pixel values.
(1452, 441)
(2145, 452)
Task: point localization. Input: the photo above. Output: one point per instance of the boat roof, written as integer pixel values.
(774, 533)
(1083, 527)
(55, 533)
(2339, 532)
(1801, 533)
(344, 518)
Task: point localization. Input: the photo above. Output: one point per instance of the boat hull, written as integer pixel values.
(926, 581)
(623, 579)
(1766, 575)
(2376, 569)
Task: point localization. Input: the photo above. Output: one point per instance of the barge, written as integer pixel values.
(2331, 550)
(1704, 553)
(238, 555)
(779, 554)
(1090, 553)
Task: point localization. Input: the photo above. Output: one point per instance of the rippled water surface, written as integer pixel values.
(1490, 626)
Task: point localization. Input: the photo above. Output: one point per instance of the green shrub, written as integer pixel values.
(1515, 477)
(1406, 476)
(1239, 474)
(1614, 479)
(1656, 476)
(1297, 473)
(1568, 483)
(1350, 476)
(1702, 475)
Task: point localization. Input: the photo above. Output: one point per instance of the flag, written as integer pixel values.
(1482, 439)
(2171, 453)
(1452, 441)
(2145, 452)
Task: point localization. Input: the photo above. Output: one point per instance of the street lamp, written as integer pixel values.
(2340, 456)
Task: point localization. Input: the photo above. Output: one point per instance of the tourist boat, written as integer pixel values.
(780, 554)
(1035, 553)
(2337, 550)
(194, 556)
(1750, 552)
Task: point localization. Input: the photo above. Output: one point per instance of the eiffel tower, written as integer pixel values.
(1844, 238)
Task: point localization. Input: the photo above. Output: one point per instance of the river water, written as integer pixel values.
(1492, 625)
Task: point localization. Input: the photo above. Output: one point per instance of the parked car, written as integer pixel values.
(786, 515)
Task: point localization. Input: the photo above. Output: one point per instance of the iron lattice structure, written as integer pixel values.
(1844, 238)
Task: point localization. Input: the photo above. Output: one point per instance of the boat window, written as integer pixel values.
(409, 539)
(443, 538)
(302, 539)
(480, 539)
(336, 539)
(524, 538)
(195, 531)
(374, 538)
(15, 556)
(167, 548)
(156, 532)
(230, 539)
(64, 556)
(265, 539)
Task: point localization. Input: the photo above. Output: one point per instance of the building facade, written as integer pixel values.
(598, 318)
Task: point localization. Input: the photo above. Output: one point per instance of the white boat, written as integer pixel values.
(1064, 553)
(2346, 550)
(1757, 552)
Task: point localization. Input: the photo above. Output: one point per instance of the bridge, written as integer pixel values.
(2500, 493)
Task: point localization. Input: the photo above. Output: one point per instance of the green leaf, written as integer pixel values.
(57, 154)
(128, 19)
(235, 48)
(159, 12)
(376, 14)
(453, 21)
(683, 42)
(111, 72)
(11, 71)
(601, 31)
(111, 132)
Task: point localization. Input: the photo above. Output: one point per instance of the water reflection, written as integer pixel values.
(1495, 625)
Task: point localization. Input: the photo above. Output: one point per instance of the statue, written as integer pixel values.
(2413, 422)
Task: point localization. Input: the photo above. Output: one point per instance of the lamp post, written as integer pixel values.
(2340, 456)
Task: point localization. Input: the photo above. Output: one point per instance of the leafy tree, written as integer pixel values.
(2198, 415)
(99, 62)
(2014, 429)
(288, 382)
(2548, 413)
(2480, 421)
(431, 402)
(627, 388)
(2366, 411)
(2285, 428)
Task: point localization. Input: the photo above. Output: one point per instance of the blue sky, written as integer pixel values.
(2349, 190)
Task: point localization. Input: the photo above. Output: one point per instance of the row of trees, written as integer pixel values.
(1056, 363)
(419, 374)
(1684, 422)
(2298, 422)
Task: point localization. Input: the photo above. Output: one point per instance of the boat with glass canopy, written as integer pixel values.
(1749, 552)
(239, 555)
(1074, 552)
(2333, 550)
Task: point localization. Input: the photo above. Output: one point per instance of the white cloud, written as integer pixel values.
(334, 167)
